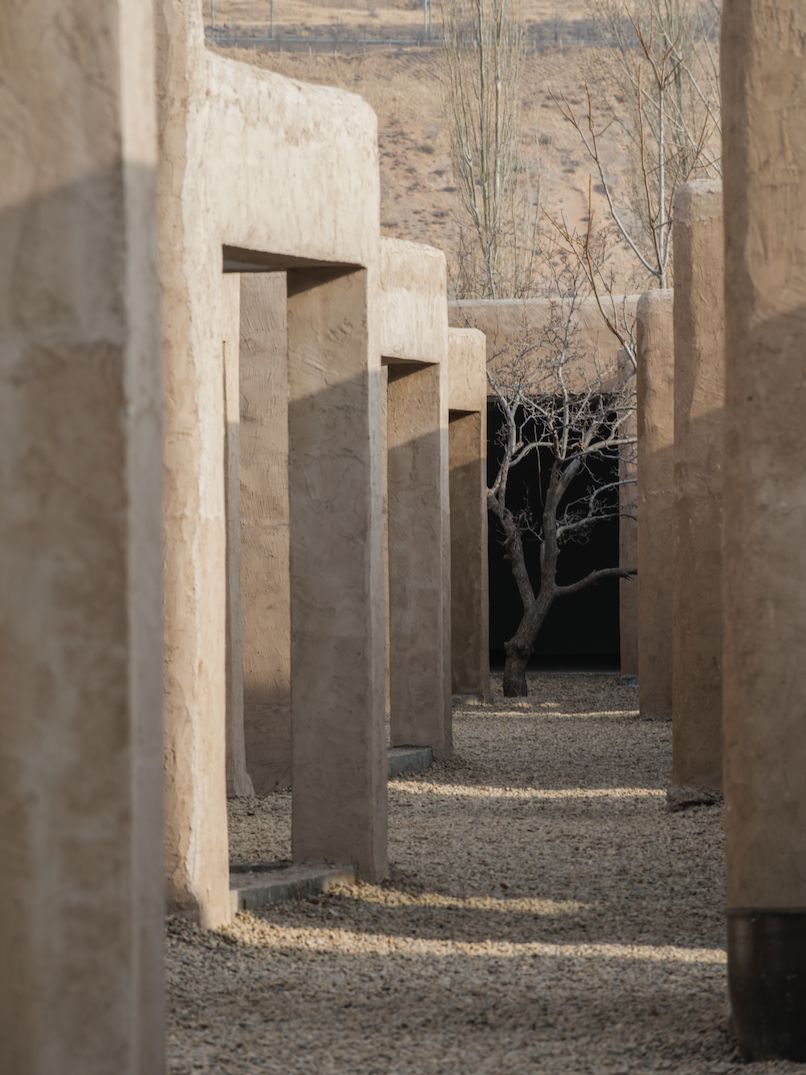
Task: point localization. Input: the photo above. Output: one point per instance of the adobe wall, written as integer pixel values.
(414, 346)
(764, 674)
(655, 346)
(699, 400)
(229, 133)
(507, 322)
(81, 897)
(467, 435)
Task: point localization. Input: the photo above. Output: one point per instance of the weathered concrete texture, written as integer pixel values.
(470, 598)
(81, 899)
(655, 347)
(238, 782)
(699, 397)
(265, 568)
(230, 133)
(337, 608)
(414, 344)
(764, 570)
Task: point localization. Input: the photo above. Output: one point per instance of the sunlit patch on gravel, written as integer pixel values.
(465, 791)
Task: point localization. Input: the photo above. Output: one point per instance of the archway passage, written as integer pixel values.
(581, 630)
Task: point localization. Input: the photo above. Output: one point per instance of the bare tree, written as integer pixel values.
(498, 221)
(574, 408)
(657, 86)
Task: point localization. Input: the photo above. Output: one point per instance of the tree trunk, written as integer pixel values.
(520, 646)
(515, 685)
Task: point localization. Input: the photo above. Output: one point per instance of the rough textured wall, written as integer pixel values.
(414, 305)
(470, 612)
(764, 99)
(508, 322)
(81, 897)
(699, 397)
(339, 805)
(655, 340)
(265, 579)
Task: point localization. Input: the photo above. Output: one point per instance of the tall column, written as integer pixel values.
(469, 590)
(265, 578)
(655, 502)
(81, 896)
(470, 627)
(419, 520)
(699, 394)
(238, 782)
(628, 545)
(764, 562)
(193, 303)
(337, 606)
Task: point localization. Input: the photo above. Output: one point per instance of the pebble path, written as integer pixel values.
(545, 914)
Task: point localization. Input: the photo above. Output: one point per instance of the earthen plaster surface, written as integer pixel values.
(81, 897)
(764, 94)
(699, 395)
(655, 502)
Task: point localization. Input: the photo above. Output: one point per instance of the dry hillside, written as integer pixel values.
(404, 86)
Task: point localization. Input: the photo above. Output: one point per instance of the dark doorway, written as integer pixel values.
(581, 630)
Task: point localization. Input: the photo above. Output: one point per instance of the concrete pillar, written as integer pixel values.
(195, 608)
(81, 896)
(655, 345)
(419, 521)
(238, 783)
(699, 393)
(265, 570)
(337, 609)
(628, 547)
(764, 551)
(470, 611)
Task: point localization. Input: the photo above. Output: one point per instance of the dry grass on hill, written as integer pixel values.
(404, 87)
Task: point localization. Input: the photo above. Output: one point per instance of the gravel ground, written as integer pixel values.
(545, 914)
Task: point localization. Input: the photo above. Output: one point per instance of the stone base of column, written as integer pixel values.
(681, 797)
(406, 759)
(767, 983)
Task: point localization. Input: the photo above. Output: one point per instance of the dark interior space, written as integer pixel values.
(581, 630)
